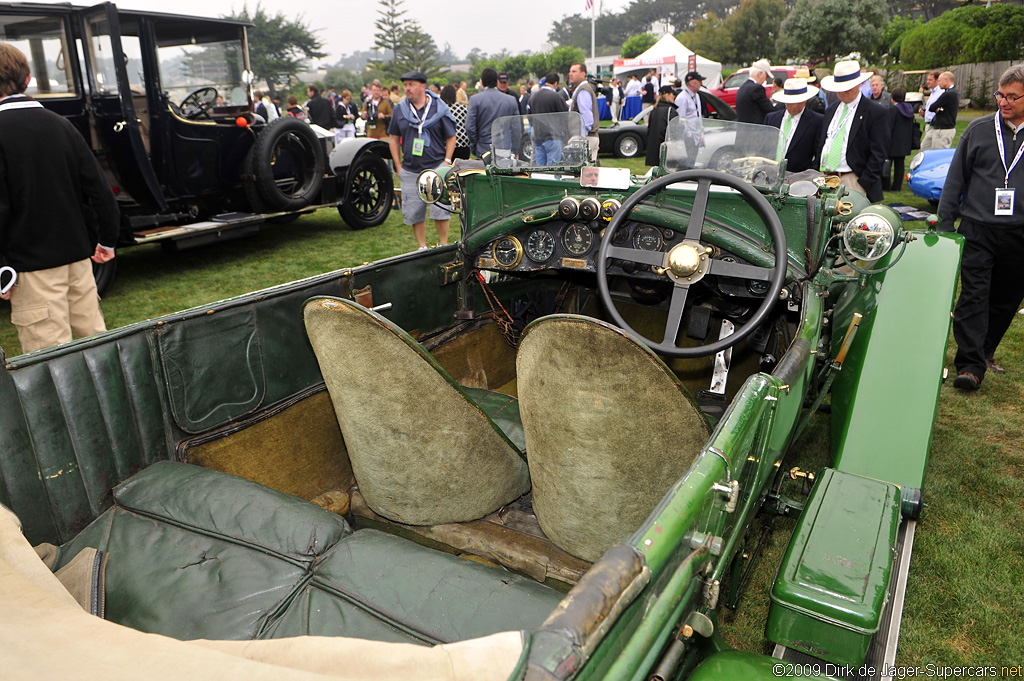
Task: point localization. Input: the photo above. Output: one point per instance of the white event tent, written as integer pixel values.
(670, 56)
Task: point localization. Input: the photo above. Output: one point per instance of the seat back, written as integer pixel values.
(609, 429)
(422, 452)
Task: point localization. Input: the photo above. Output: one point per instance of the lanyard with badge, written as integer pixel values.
(418, 143)
(1004, 196)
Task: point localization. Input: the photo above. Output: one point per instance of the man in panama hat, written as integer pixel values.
(855, 135)
(800, 126)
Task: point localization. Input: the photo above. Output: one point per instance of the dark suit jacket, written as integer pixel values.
(804, 151)
(752, 104)
(868, 143)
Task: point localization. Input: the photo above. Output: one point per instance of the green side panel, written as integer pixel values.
(832, 586)
(885, 398)
(738, 665)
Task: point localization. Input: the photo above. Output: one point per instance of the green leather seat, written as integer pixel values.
(424, 450)
(194, 553)
(608, 426)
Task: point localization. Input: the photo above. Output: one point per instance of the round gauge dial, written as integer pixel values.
(540, 246)
(647, 238)
(507, 252)
(577, 238)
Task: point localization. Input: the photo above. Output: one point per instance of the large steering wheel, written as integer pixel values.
(689, 261)
(198, 103)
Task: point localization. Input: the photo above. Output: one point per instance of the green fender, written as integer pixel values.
(885, 397)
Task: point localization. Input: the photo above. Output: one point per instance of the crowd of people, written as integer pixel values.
(848, 126)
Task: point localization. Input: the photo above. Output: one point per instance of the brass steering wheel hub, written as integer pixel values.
(688, 261)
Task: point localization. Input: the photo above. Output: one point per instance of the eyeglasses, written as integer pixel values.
(1010, 98)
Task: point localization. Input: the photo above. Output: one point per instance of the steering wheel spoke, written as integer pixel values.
(740, 270)
(700, 210)
(676, 307)
(653, 258)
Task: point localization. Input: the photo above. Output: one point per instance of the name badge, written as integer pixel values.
(1004, 202)
(417, 147)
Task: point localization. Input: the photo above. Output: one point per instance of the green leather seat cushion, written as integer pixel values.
(195, 553)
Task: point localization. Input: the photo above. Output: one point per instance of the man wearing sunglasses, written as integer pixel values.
(982, 186)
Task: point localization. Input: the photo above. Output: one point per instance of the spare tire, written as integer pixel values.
(285, 165)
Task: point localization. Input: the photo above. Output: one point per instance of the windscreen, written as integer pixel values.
(549, 140)
(750, 152)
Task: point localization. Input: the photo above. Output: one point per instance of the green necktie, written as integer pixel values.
(835, 150)
(787, 125)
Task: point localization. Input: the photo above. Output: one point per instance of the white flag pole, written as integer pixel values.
(593, 19)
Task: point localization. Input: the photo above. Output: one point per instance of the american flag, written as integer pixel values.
(590, 3)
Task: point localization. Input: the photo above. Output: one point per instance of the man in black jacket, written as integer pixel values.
(320, 110)
(800, 127)
(855, 135)
(984, 176)
(55, 209)
(752, 103)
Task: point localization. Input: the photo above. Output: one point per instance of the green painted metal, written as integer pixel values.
(736, 665)
(885, 399)
(832, 586)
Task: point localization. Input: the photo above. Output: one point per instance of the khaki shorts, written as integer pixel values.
(48, 306)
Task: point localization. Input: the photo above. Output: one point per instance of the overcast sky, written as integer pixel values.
(345, 26)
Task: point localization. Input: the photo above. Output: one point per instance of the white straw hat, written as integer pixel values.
(795, 90)
(846, 76)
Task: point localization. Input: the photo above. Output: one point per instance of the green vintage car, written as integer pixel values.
(536, 454)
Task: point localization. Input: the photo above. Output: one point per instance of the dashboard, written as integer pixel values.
(571, 241)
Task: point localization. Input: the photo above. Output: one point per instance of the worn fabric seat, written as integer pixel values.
(193, 553)
(608, 426)
(424, 450)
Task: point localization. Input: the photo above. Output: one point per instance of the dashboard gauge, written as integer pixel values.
(609, 207)
(577, 238)
(590, 209)
(568, 208)
(540, 246)
(507, 252)
(647, 238)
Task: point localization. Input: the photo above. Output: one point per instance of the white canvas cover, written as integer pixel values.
(668, 55)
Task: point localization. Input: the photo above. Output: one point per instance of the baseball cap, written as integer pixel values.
(502, 77)
(693, 75)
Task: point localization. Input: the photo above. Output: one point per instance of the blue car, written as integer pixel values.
(928, 173)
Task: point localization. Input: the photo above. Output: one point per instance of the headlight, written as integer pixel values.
(429, 186)
(916, 161)
(868, 236)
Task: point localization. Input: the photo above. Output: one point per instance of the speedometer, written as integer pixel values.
(577, 238)
(647, 238)
(540, 246)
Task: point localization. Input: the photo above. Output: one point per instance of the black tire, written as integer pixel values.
(628, 145)
(104, 274)
(370, 194)
(286, 164)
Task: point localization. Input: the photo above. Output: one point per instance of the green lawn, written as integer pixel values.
(965, 597)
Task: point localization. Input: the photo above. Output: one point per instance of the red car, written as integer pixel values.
(727, 90)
